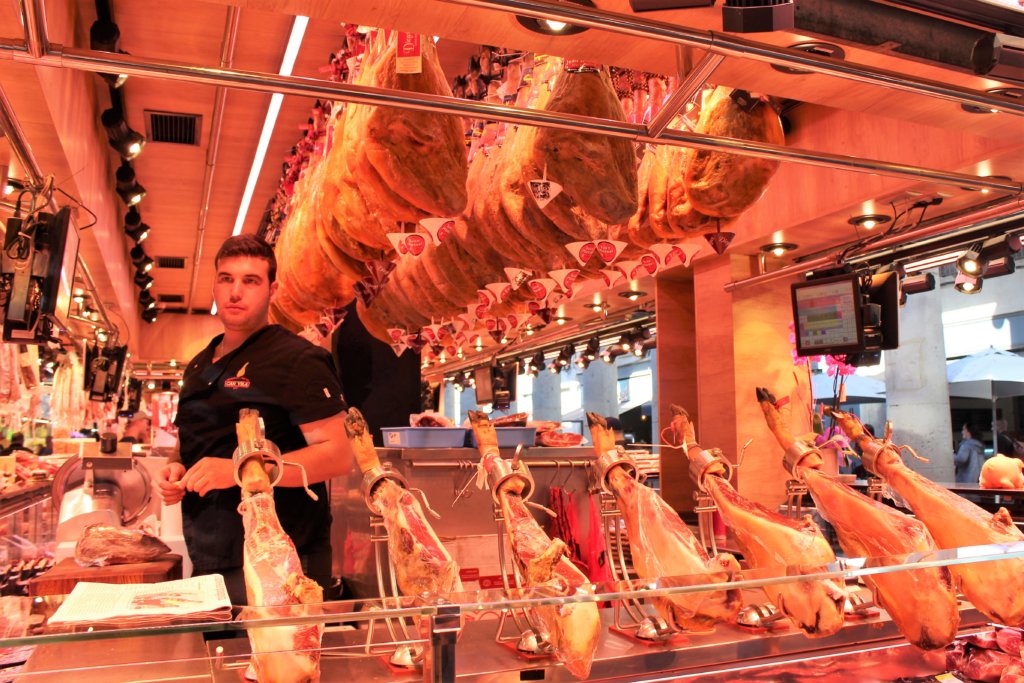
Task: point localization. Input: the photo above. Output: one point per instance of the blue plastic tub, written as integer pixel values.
(424, 437)
(509, 437)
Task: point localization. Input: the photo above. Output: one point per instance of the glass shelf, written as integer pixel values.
(470, 604)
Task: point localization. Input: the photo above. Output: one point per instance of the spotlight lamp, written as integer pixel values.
(128, 188)
(146, 300)
(104, 36)
(146, 265)
(593, 349)
(869, 221)
(778, 249)
(126, 141)
(970, 262)
(139, 233)
(967, 284)
(143, 280)
(553, 27)
(149, 315)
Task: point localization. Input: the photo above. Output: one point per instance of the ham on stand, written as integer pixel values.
(662, 546)
(572, 629)
(274, 582)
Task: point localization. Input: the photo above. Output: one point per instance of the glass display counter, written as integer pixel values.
(456, 637)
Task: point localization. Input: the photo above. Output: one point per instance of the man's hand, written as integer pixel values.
(169, 482)
(209, 474)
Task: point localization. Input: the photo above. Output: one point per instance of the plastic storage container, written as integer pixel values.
(509, 437)
(423, 437)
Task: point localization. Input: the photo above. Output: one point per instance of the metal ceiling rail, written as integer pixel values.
(227, 56)
(734, 46)
(106, 62)
(987, 215)
(22, 150)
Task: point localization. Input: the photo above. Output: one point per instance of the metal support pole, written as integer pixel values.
(692, 84)
(735, 46)
(104, 62)
(445, 626)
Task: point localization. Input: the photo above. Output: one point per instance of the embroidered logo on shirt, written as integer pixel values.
(239, 381)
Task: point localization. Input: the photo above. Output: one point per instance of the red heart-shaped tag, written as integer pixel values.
(607, 251)
(445, 230)
(649, 263)
(415, 243)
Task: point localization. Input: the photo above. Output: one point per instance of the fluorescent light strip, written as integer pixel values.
(291, 52)
(932, 262)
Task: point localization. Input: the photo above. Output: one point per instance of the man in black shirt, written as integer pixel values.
(293, 385)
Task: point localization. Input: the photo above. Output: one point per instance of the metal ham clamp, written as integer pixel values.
(417, 563)
(662, 548)
(773, 542)
(540, 564)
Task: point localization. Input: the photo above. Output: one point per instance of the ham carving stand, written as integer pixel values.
(401, 652)
(631, 619)
(528, 637)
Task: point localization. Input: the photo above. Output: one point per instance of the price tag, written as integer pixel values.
(409, 59)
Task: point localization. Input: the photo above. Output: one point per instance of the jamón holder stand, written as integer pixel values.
(401, 653)
(631, 619)
(528, 636)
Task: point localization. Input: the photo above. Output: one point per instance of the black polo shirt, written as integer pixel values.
(290, 382)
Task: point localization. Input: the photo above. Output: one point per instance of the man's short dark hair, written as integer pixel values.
(251, 246)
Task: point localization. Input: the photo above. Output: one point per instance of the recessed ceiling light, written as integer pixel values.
(1010, 93)
(632, 295)
(553, 27)
(561, 320)
(869, 220)
(778, 248)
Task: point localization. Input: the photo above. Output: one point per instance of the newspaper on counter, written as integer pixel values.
(200, 598)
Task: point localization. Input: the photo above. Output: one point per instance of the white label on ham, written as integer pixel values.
(544, 191)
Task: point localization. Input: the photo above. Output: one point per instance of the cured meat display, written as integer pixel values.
(771, 541)
(274, 583)
(988, 657)
(572, 629)
(422, 563)
(103, 544)
(994, 588)
(662, 546)
(921, 602)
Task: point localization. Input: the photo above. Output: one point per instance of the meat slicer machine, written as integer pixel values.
(107, 484)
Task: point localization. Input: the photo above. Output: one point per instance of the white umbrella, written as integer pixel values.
(858, 389)
(991, 374)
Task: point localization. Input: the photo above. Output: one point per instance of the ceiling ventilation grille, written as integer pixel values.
(170, 262)
(171, 298)
(178, 129)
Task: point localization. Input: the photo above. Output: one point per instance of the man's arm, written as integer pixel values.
(327, 455)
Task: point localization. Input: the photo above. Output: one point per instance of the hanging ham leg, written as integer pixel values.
(422, 563)
(994, 588)
(771, 541)
(662, 546)
(920, 602)
(573, 629)
(274, 582)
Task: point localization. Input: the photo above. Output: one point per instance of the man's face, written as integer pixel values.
(242, 292)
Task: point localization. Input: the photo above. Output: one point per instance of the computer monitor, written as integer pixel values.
(827, 316)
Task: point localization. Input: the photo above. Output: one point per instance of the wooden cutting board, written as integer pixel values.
(66, 573)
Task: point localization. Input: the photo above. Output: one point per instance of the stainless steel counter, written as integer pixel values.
(178, 657)
(729, 648)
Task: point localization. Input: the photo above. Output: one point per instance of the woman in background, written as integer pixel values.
(970, 456)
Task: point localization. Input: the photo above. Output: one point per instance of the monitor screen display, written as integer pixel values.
(827, 316)
(66, 282)
(484, 380)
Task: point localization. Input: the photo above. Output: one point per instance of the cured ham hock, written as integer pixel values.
(274, 582)
(771, 541)
(662, 546)
(422, 563)
(994, 588)
(572, 629)
(921, 602)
